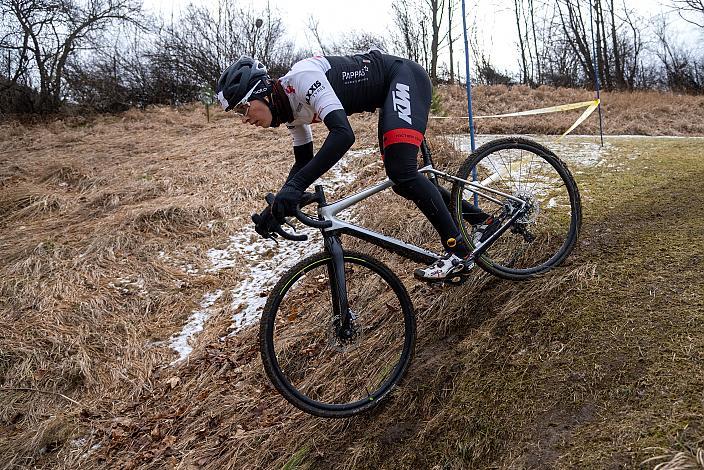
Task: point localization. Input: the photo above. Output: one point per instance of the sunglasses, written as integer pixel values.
(242, 107)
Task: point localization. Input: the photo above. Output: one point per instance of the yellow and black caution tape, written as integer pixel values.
(590, 105)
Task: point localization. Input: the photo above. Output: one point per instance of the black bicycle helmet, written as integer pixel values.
(247, 77)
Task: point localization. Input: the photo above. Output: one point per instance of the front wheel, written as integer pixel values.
(546, 230)
(307, 359)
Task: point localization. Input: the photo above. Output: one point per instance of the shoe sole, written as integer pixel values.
(461, 277)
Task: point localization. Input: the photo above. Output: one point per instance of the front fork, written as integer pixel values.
(338, 287)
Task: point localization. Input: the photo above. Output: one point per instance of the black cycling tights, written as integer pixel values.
(400, 161)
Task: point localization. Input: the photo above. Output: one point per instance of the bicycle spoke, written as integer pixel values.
(544, 233)
(314, 353)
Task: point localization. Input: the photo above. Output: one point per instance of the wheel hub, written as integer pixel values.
(530, 210)
(345, 339)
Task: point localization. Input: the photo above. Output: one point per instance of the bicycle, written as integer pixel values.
(338, 329)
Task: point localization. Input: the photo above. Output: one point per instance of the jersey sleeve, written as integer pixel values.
(319, 93)
(301, 134)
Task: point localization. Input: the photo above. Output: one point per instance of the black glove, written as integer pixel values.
(264, 223)
(286, 201)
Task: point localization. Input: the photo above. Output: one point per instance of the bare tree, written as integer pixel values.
(266, 38)
(451, 9)
(682, 71)
(176, 59)
(421, 34)
(348, 43)
(201, 44)
(531, 8)
(605, 39)
(50, 31)
(437, 11)
(520, 18)
(696, 7)
(410, 35)
(313, 25)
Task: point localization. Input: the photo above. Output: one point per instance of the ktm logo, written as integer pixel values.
(402, 102)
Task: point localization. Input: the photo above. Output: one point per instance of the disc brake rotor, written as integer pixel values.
(341, 344)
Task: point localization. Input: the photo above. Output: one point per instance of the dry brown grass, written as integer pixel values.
(688, 460)
(87, 306)
(641, 113)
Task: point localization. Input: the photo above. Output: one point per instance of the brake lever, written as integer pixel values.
(306, 199)
(289, 236)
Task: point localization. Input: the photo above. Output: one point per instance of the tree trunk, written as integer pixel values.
(450, 5)
(620, 78)
(524, 66)
(603, 47)
(535, 42)
(436, 13)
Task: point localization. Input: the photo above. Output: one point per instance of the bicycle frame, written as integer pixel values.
(333, 245)
(408, 250)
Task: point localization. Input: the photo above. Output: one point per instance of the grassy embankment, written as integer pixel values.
(590, 366)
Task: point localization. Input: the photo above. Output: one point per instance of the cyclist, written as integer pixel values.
(329, 88)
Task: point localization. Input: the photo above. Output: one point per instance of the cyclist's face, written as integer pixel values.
(258, 114)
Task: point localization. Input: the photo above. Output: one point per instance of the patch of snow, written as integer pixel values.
(219, 259)
(126, 285)
(190, 269)
(262, 262)
(80, 442)
(180, 342)
(80, 445)
(577, 151)
(267, 263)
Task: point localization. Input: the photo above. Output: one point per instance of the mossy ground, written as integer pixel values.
(605, 367)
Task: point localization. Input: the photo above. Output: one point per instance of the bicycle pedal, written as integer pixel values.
(456, 279)
(459, 278)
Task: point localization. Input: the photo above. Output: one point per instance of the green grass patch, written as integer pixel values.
(296, 460)
(600, 363)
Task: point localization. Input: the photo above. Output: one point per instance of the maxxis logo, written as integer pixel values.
(311, 91)
(402, 102)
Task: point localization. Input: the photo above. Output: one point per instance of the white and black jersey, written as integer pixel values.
(398, 87)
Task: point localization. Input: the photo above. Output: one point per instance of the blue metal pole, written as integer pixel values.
(596, 75)
(469, 93)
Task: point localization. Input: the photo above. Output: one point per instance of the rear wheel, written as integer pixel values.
(308, 359)
(545, 233)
